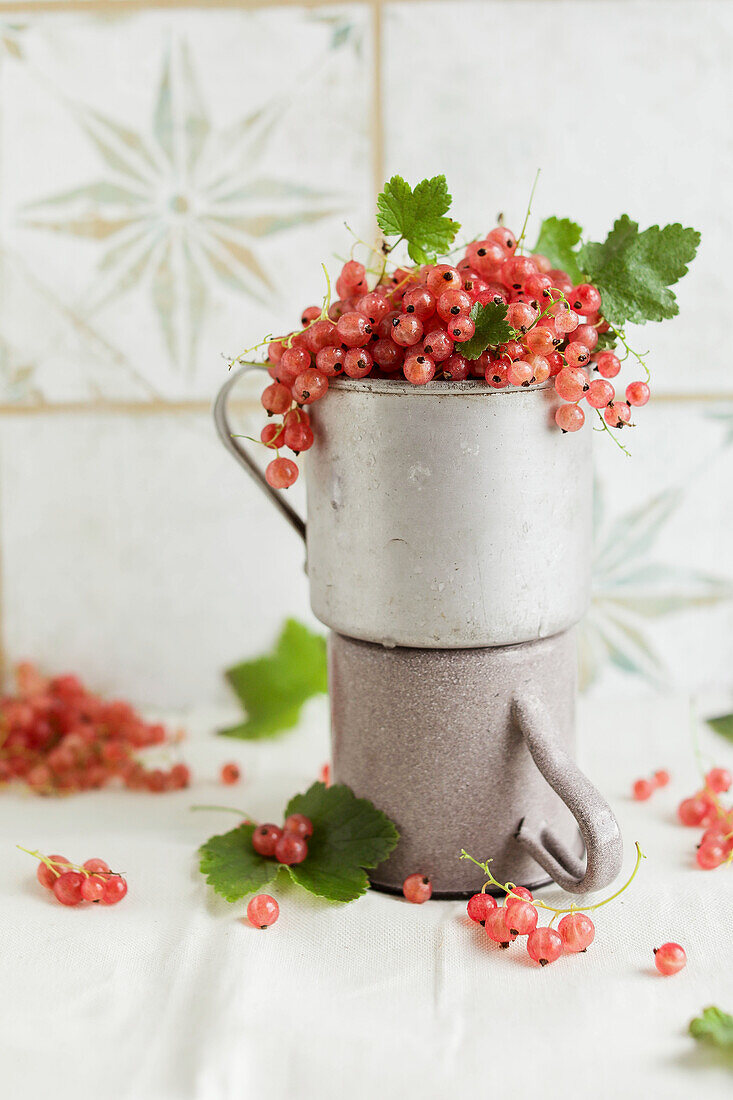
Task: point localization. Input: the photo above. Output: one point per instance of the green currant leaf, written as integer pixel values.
(233, 867)
(491, 329)
(272, 689)
(714, 1026)
(349, 834)
(723, 725)
(606, 341)
(557, 240)
(418, 216)
(634, 270)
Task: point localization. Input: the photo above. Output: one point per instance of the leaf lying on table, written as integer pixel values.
(233, 867)
(492, 329)
(723, 725)
(272, 689)
(713, 1026)
(418, 216)
(557, 240)
(349, 835)
(633, 270)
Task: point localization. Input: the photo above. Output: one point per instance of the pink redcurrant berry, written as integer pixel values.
(298, 825)
(46, 875)
(115, 889)
(544, 945)
(711, 854)
(92, 888)
(262, 911)
(570, 418)
(643, 789)
(265, 837)
(290, 849)
(661, 778)
(496, 928)
(479, 906)
(577, 932)
(229, 774)
(67, 887)
(718, 780)
(417, 888)
(670, 958)
(521, 918)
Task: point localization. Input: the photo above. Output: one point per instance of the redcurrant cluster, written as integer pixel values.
(519, 917)
(58, 737)
(413, 323)
(288, 845)
(93, 881)
(705, 810)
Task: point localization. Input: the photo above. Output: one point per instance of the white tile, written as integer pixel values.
(621, 104)
(663, 564)
(136, 552)
(171, 182)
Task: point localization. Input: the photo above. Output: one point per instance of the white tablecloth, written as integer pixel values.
(170, 995)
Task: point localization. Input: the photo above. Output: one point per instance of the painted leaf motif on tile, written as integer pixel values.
(179, 205)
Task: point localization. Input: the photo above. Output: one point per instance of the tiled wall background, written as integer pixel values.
(171, 175)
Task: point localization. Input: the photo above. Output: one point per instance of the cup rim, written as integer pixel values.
(471, 387)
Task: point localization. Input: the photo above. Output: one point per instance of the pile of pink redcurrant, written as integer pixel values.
(71, 885)
(705, 810)
(289, 844)
(58, 737)
(413, 323)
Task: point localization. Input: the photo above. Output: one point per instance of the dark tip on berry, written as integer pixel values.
(455, 310)
(447, 276)
(421, 358)
(517, 286)
(503, 946)
(577, 305)
(514, 931)
(482, 923)
(496, 378)
(655, 950)
(543, 962)
(563, 430)
(410, 309)
(368, 328)
(425, 880)
(585, 387)
(509, 242)
(481, 252)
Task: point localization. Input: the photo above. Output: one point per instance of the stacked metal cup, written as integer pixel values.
(448, 540)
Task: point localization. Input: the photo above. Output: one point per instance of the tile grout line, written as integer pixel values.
(377, 119)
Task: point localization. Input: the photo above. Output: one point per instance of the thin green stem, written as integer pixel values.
(618, 333)
(508, 886)
(227, 810)
(521, 236)
(616, 440)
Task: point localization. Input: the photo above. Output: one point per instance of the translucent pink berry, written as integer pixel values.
(711, 854)
(637, 393)
(479, 906)
(576, 354)
(418, 368)
(519, 373)
(519, 893)
(265, 837)
(643, 789)
(92, 888)
(607, 364)
(571, 383)
(496, 929)
(47, 875)
(661, 778)
(67, 887)
(576, 931)
(718, 780)
(262, 911)
(520, 918)
(570, 418)
(544, 945)
(417, 888)
(599, 393)
(670, 958)
(298, 825)
(115, 888)
(585, 299)
(692, 811)
(617, 414)
(290, 849)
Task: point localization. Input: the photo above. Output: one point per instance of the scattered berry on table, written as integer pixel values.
(643, 789)
(670, 958)
(230, 774)
(417, 888)
(262, 911)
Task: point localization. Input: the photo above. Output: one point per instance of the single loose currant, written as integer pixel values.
(262, 911)
(719, 780)
(670, 958)
(643, 789)
(417, 888)
(230, 774)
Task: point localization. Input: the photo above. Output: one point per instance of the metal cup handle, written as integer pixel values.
(234, 447)
(598, 827)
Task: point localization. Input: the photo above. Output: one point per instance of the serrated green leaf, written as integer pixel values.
(714, 1026)
(633, 270)
(232, 866)
(418, 216)
(272, 689)
(723, 725)
(349, 834)
(557, 240)
(491, 329)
